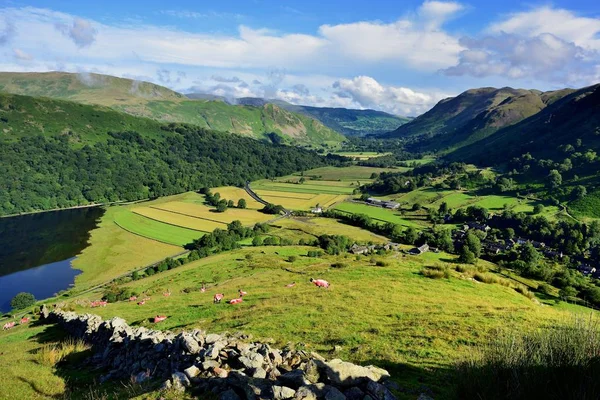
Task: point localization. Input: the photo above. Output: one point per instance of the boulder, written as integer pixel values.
(190, 344)
(229, 395)
(311, 371)
(379, 391)
(209, 364)
(259, 373)
(294, 379)
(310, 392)
(252, 360)
(212, 338)
(283, 392)
(346, 374)
(332, 393)
(192, 372)
(180, 381)
(354, 393)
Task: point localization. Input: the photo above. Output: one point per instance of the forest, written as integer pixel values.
(41, 173)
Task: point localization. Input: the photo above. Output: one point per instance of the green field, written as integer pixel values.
(380, 214)
(391, 316)
(360, 155)
(302, 188)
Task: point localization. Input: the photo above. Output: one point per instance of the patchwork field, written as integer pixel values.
(235, 193)
(381, 214)
(360, 155)
(384, 315)
(310, 228)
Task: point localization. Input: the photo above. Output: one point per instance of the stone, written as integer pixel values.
(259, 373)
(209, 364)
(332, 393)
(229, 395)
(346, 374)
(294, 379)
(142, 377)
(252, 360)
(310, 392)
(166, 385)
(311, 371)
(190, 344)
(192, 372)
(379, 391)
(275, 356)
(354, 393)
(180, 381)
(220, 372)
(212, 352)
(283, 392)
(212, 338)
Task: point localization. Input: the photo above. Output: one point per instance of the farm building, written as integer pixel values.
(356, 249)
(476, 226)
(392, 205)
(316, 210)
(419, 250)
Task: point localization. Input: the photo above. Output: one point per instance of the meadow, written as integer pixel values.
(360, 155)
(383, 214)
(391, 315)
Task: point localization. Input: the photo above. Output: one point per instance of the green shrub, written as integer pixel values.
(292, 259)
(436, 272)
(560, 362)
(22, 300)
(339, 265)
(382, 263)
(315, 253)
(485, 277)
(116, 293)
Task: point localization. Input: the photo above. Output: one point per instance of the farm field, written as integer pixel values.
(381, 214)
(351, 173)
(384, 315)
(306, 187)
(312, 227)
(300, 203)
(201, 212)
(235, 193)
(360, 155)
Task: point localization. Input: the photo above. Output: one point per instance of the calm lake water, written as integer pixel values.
(36, 251)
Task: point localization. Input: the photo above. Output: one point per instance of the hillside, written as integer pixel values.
(24, 116)
(349, 122)
(473, 115)
(159, 103)
(574, 116)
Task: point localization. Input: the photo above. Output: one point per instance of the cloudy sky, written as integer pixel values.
(396, 56)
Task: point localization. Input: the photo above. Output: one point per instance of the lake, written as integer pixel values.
(36, 251)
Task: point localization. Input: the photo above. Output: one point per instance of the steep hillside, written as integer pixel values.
(347, 121)
(156, 102)
(22, 116)
(574, 116)
(472, 116)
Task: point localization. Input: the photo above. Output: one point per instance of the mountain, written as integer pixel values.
(58, 153)
(207, 96)
(472, 116)
(569, 115)
(159, 103)
(349, 122)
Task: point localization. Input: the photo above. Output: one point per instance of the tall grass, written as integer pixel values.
(561, 362)
(53, 353)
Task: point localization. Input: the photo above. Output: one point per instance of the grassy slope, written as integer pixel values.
(392, 316)
(26, 116)
(162, 104)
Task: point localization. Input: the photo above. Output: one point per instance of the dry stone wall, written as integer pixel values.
(226, 365)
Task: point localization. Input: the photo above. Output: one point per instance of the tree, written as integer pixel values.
(530, 255)
(257, 241)
(221, 206)
(22, 300)
(416, 207)
(410, 235)
(467, 256)
(302, 180)
(579, 192)
(230, 204)
(473, 243)
(538, 209)
(554, 179)
(292, 259)
(241, 203)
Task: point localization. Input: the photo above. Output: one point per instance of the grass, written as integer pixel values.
(234, 193)
(361, 155)
(303, 188)
(166, 216)
(302, 201)
(51, 354)
(351, 173)
(245, 216)
(152, 229)
(378, 213)
(313, 227)
(560, 362)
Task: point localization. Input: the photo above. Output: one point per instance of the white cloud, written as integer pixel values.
(547, 44)
(583, 31)
(200, 15)
(81, 32)
(7, 30)
(368, 93)
(438, 12)
(21, 55)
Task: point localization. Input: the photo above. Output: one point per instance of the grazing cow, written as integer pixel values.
(24, 320)
(242, 293)
(141, 303)
(320, 283)
(167, 294)
(203, 288)
(218, 297)
(291, 284)
(98, 303)
(236, 301)
(8, 325)
(146, 298)
(159, 318)
(133, 298)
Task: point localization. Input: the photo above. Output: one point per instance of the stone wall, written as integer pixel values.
(229, 366)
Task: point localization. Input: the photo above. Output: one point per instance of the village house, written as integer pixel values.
(356, 249)
(419, 250)
(586, 269)
(383, 203)
(316, 210)
(476, 226)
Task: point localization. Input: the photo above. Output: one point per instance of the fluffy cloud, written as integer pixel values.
(438, 12)
(543, 44)
(81, 32)
(368, 93)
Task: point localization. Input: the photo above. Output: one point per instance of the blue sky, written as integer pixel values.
(400, 57)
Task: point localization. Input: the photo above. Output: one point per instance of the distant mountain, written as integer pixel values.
(569, 115)
(207, 96)
(349, 122)
(159, 103)
(472, 116)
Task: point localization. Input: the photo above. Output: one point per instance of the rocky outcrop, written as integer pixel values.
(228, 366)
